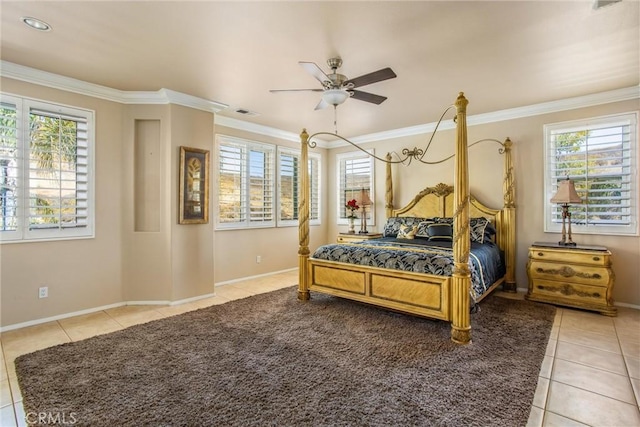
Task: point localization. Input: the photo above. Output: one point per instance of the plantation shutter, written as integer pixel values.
(58, 174)
(289, 183)
(261, 176)
(314, 185)
(231, 183)
(9, 159)
(356, 174)
(598, 157)
(246, 183)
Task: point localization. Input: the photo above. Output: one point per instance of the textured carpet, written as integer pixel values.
(270, 360)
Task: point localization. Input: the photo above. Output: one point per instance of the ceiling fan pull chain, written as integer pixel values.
(335, 118)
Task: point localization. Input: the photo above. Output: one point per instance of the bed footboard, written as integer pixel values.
(414, 293)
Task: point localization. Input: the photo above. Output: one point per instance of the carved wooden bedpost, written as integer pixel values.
(388, 196)
(303, 219)
(461, 278)
(509, 219)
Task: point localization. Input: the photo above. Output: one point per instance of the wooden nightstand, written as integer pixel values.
(573, 276)
(355, 237)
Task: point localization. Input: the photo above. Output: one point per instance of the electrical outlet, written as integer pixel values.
(258, 259)
(43, 292)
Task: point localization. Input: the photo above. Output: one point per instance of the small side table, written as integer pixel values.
(356, 237)
(573, 276)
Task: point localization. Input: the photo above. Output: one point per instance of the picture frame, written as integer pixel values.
(194, 186)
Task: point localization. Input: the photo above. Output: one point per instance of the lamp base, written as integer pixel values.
(561, 243)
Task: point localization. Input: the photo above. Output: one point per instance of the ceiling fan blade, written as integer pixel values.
(368, 97)
(313, 69)
(376, 76)
(296, 90)
(321, 105)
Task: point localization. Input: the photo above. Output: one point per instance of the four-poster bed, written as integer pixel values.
(418, 292)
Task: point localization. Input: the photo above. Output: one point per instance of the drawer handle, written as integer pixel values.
(540, 254)
(596, 258)
(568, 272)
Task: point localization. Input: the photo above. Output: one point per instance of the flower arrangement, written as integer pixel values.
(352, 207)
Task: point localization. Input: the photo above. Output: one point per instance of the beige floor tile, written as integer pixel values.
(130, 315)
(3, 370)
(89, 325)
(597, 323)
(231, 292)
(590, 408)
(546, 368)
(16, 393)
(5, 394)
(590, 356)
(535, 417)
(30, 339)
(542, 390)
(630, 348)
(635, 383)
(596, 380)
(633, 366)
(555, 420)
(208, 302)
(7, 416)
(590, 339)
(20, 415)
(551, 348)
(172, 310)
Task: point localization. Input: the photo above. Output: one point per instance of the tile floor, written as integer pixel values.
(590, 375)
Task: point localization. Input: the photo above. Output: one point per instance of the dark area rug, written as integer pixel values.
(270, 360)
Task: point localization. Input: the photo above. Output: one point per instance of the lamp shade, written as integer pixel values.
(566, 193)
(364, 198)
(335, 96)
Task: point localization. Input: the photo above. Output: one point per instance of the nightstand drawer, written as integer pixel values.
(580, 257)
(574, 273)
(571, 292)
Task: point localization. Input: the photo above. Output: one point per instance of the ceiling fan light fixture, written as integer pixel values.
(335, 96)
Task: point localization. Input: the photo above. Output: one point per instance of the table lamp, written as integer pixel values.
(565, 196)
(364, 202)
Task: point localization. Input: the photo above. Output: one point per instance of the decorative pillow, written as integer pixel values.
(407, 231)
(392, 227)
(423, 229)
(481, 230)
(442, 232)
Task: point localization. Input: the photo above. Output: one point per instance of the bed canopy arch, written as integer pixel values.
(452, 201)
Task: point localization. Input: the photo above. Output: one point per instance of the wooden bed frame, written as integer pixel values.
(439, 297)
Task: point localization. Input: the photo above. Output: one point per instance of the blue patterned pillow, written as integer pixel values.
(481, 230)
(393, 224)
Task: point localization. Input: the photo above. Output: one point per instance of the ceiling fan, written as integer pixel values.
(336, 88)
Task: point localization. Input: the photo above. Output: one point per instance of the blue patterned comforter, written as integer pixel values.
(420, 256)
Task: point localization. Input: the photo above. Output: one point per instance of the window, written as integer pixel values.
(600, 156)
(245, 183)
(288, 185)
(45, 171)
(355, 173)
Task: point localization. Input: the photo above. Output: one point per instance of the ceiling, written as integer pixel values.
(501, 54)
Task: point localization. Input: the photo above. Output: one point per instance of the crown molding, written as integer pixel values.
(617, 95)
(262, 130)
(167, 96)
(56, 81)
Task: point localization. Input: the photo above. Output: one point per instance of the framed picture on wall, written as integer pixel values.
(194, 186)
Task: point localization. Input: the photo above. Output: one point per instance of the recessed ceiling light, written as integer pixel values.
(36, 23)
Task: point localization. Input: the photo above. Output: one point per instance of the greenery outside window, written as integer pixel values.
(355, 173)
(600, 156)
(289, 186)
(46, 166)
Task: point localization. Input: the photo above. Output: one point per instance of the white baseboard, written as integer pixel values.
(123, 303)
